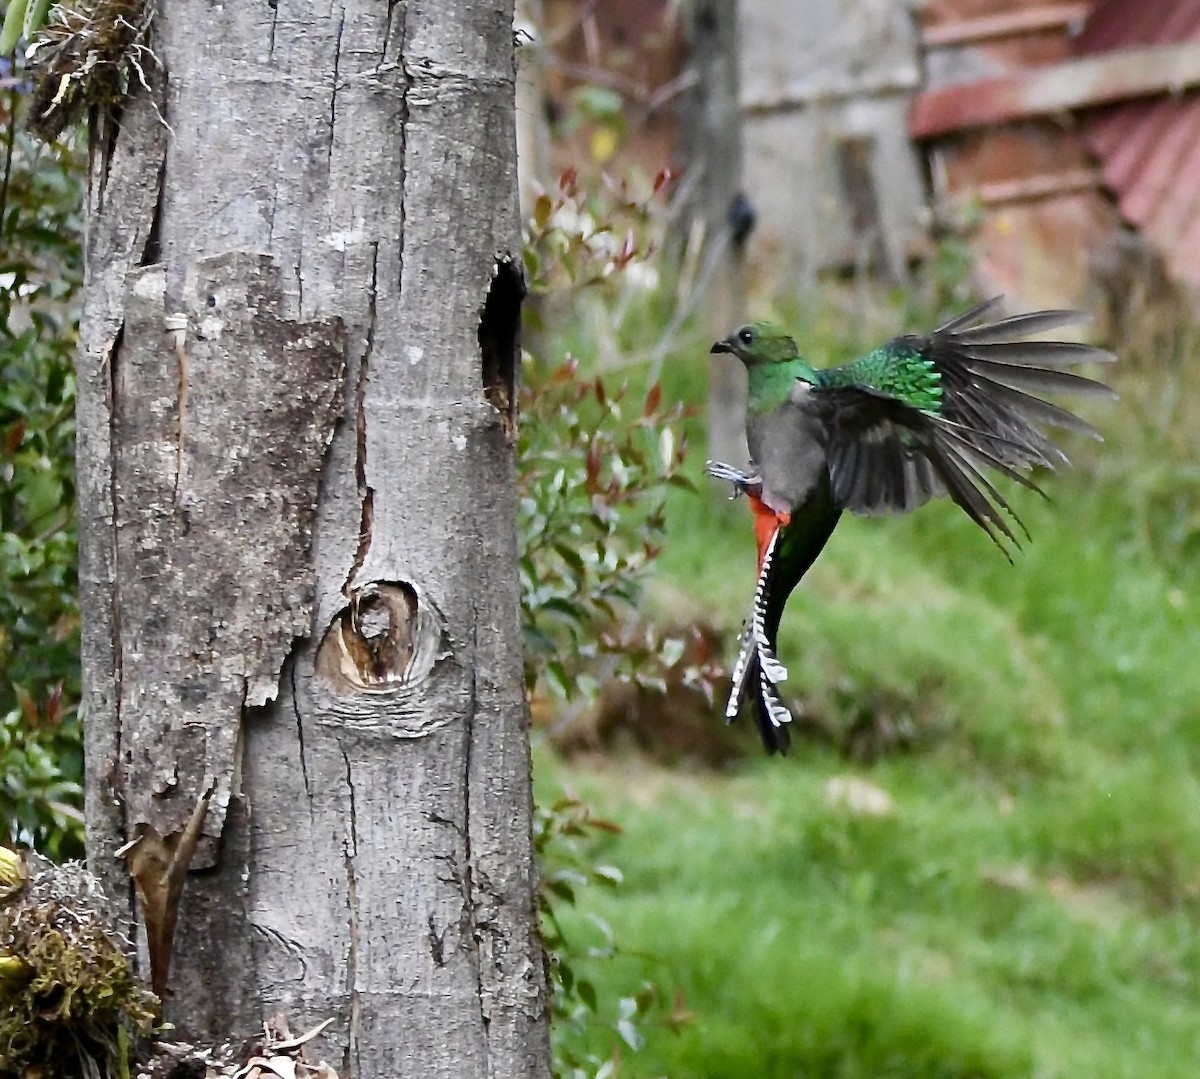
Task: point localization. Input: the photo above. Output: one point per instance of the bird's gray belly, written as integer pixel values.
(787, 455)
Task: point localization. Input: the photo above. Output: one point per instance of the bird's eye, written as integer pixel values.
(746, 336)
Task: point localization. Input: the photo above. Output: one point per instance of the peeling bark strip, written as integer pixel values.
(220, 432)
(118, 234)
(374, 861)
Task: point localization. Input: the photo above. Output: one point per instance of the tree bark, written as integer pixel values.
(306, 729)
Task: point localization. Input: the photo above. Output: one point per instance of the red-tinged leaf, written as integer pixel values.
(664, 177)
(601, 398)
(653, 399)
(568, 180)
(15, 436)
(52, 704)
(593, 468)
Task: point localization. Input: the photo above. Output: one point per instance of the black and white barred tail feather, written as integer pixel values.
(757, 670)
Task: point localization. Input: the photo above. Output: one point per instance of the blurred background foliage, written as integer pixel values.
(980, 859)
(41, 762)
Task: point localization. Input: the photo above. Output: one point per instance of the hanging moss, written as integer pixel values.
(88, 55)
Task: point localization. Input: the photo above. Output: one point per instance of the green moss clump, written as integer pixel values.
(79, 1003)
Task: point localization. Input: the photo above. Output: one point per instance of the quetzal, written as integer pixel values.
(919, 417)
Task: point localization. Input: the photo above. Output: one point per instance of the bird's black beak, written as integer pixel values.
(721, 346)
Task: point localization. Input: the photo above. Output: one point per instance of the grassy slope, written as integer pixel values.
(1028, 907)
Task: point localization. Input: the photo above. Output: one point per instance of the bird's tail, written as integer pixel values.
(757, 671)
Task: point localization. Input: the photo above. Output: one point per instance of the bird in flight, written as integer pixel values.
(919, 417)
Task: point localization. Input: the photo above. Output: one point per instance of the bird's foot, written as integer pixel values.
(744, 483)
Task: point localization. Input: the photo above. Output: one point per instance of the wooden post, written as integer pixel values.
(712, 136)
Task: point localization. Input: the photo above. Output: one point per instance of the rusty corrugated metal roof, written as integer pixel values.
(1085, 82)
(1000, 78)
(1149, 151)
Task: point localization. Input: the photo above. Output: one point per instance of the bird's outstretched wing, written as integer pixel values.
(993, 378)
(891, 448)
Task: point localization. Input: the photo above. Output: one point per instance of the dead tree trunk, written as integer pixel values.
(302, 657)
(713, 147)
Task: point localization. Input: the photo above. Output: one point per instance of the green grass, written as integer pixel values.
(978, 929)
(1028, 906)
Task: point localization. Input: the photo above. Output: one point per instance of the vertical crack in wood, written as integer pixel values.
(474, 936)
(387, 33)
(114, 591)
(300, 735)
(151, 251)
(337, 61)
(350, 850)
(437, 943)
(180, 336)
(365, 492)
(499, 340)
(402, 202)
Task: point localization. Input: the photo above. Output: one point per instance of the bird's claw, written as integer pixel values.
(744, 483)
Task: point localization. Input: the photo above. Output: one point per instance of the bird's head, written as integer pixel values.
(758, 343)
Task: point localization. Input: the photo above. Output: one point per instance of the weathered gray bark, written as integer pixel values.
(302, 658)
(713, 144)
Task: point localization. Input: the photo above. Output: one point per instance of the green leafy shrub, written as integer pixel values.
(596, 459)
(40, 276)
(39, 794)
(564, 834)
(595, 464)
(594, 467)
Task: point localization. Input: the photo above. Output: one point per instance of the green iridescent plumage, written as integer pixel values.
(919, 417)
(899, 371)
(771, 384)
